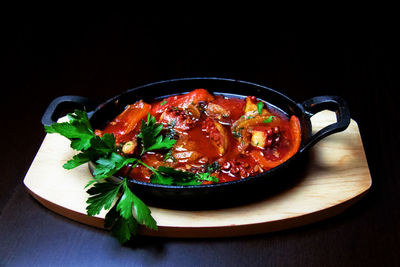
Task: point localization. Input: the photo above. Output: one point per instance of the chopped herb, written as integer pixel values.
(169, 156)
(269, 119)
(236, 134)
(206, 177)
(212, 167)
(163, 103)
(171, 134)
(260, 106)
(170, 131)
(171, 124)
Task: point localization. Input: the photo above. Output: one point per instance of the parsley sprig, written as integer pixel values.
(150, 134)
(103, 193)
(170, 176)
(125, 210)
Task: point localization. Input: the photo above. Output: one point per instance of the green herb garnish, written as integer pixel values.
(269, 119)
(150, 134)
(103, 193)
(120, 218)
(169, 156)
(212, 167)
(170, 131)
(260, 106)
(170, 176)
(236, 134)
(163, 103)
(103, 152)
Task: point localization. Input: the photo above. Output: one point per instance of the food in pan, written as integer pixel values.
(190, 139)
(227, 138)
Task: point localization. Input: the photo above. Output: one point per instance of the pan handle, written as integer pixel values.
(62, 103)
(332, 103)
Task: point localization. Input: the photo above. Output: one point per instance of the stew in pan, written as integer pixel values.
(230, 137)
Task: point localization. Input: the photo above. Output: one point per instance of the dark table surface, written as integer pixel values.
(49, 55)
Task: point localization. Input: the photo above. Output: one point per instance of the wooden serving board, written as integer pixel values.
(337, 177)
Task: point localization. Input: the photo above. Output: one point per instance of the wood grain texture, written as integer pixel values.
(338, 175)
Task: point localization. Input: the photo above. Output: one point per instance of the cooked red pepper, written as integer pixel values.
(126, 125)
(182, 101)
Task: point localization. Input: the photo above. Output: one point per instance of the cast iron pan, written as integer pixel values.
(223, 194)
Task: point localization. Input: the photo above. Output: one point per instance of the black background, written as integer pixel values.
(49, 54)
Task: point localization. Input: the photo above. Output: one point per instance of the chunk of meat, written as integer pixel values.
(217, 135)
(251, 109)
(186, 156)
(217, 112)
(185, 151)
(242, 128)
(180, 119)
(295, 131)
(258, 138)
(251, 105)
(264, 137)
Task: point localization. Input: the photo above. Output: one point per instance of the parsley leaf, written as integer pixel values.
(167, 175)
(79, 131)
(76, 131)
(207, 177)
(162, 143)
(143, 213)
(102, 195)
(81, 117)
(98, 148)
(104, 144)
(107, 166)
(159, 178)
(170, 176)
(120, 218)
(123, 229)
(80, 159)
(150, 134)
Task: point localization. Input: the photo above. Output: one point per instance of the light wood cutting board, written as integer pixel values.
(338, 176)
